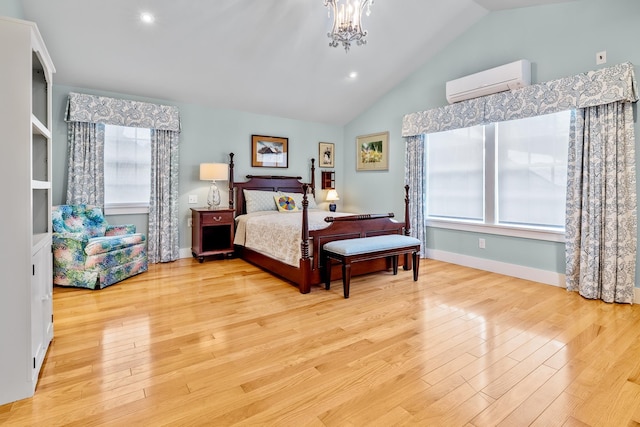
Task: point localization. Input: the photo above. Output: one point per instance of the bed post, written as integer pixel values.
(231, 181)
(305, 261)
(407, 226)
(313, 177)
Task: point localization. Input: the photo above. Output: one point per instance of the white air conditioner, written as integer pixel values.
(505, 77)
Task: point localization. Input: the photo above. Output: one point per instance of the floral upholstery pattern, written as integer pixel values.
(90, 253)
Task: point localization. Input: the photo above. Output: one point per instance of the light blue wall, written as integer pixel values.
(12, 8)
(207, 136)
(560, 40)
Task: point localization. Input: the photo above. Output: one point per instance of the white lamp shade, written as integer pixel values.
(332, 196)
(214, 171)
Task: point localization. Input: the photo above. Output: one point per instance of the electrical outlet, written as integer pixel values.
(193, 199)
(481, 243)
(601, 57)
(189, 222)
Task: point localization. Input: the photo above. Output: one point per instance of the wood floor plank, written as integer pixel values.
(223, 342)
(558, 413)
(542, 398)
(504, 406)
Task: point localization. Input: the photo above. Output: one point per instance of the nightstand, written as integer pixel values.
(211, 232)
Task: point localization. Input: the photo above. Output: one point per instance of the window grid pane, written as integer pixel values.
(455, 183)
(127, 165)
(531, 158)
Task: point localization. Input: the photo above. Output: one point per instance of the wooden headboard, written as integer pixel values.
(285, 184)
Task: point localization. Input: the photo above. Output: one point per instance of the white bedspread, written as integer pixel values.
(278, 234)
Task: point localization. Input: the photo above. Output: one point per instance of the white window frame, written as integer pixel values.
(125, 208)
(489, 225)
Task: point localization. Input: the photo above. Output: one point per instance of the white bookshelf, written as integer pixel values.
(26, 306)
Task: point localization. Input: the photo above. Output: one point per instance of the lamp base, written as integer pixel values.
(213, 199)
(332, 207)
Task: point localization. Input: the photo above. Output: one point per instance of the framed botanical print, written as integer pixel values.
(269, 151)
(326, 154)
(372, 152)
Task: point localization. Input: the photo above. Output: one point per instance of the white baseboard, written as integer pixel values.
(513, 270)
(185, 253)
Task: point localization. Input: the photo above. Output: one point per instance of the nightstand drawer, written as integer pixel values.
(213, 218)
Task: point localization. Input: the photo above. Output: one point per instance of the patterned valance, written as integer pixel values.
(121, 112)
(597, 87)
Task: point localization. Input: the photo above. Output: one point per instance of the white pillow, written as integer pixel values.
(258, 200)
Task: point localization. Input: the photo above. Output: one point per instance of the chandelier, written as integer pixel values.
(347, 27)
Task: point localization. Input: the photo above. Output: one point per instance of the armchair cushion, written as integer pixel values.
(84, 219)
(118, 230)
(98, 245)
(90, 253)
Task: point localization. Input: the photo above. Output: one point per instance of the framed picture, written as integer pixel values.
(372, 152)
(269, 151)
(326, 154)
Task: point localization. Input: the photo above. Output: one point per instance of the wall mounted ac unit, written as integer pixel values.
(505, 77)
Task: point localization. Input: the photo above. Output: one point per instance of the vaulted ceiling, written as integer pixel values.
(264, 56)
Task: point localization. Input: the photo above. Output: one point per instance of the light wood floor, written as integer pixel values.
(223, 343)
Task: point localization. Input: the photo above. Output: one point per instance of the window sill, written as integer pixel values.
(522, 232)
(126, 209)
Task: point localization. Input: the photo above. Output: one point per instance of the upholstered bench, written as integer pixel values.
(349, 251)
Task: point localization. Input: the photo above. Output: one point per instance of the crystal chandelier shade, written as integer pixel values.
(347, 25)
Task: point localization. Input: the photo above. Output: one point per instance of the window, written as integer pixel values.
(531, 159)
(455, 166)
(127, 169)
(509, 175)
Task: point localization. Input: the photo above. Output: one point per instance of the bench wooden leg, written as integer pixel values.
(416, 265)
(394, 263)
(327, 272)
(346, 278)
(407, 262)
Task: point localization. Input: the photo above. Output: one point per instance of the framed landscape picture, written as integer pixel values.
(372, 152)
(326, 154)
(269, 151)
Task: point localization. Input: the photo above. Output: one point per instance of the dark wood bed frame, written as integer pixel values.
(310, 270)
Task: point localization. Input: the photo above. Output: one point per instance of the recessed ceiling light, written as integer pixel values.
(147, 18)
(353, 75)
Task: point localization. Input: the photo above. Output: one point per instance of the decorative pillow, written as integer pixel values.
(285, 203)
(297, 197)
(95, 224)
(257, 200)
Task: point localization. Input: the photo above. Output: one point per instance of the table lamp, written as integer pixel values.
(332, 196)
(212, 172)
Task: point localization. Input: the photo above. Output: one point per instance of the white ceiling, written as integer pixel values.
(263, 56)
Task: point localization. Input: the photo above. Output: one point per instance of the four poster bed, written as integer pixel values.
(287, 242)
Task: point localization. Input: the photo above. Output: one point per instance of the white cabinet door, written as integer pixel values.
(41, 307)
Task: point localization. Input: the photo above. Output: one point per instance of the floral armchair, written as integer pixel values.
(89, 253)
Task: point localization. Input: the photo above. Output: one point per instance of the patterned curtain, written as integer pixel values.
(414, 176)
(85, 181)
(121, 112)
(601, 204)
(163, 242)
